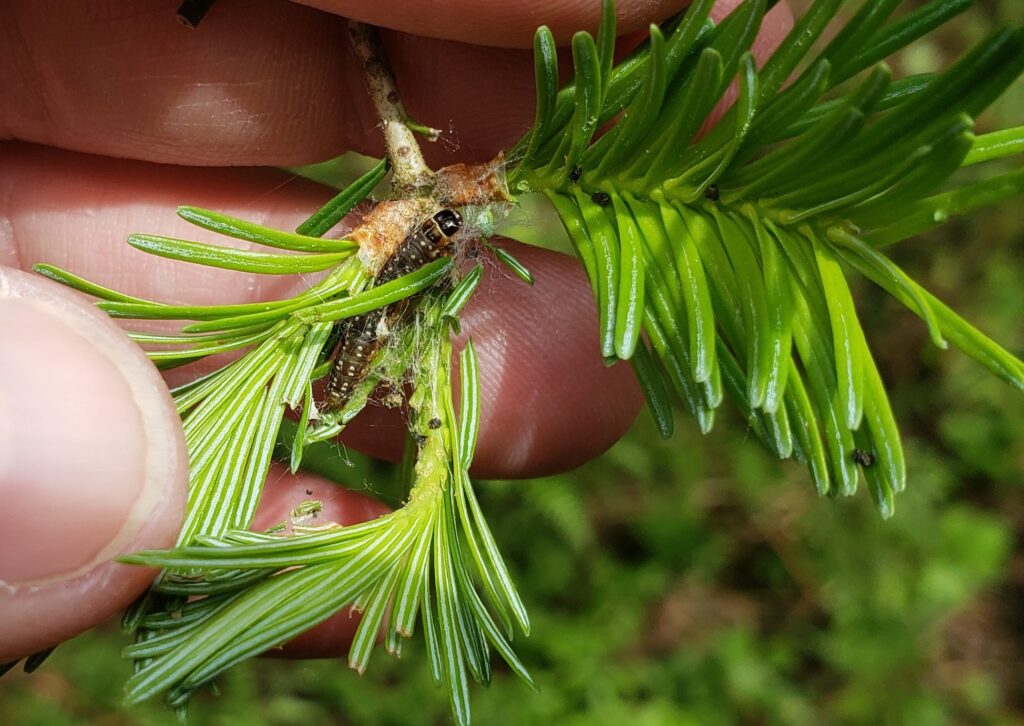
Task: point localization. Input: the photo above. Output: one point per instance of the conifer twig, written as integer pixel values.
(410, 171)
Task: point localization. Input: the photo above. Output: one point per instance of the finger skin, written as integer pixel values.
(501, 24)
(549, 402)
(92, 465)
(266, 83)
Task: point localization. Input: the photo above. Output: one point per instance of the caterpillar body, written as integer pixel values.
(360, 335)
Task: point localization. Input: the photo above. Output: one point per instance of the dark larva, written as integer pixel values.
(359, 341)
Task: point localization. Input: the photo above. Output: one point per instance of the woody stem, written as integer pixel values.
(411, 175)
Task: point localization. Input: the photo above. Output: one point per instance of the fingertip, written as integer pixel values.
(92, 465)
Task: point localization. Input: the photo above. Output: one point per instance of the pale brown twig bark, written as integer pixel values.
(410, 173)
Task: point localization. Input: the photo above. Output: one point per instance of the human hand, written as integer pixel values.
(119, 105)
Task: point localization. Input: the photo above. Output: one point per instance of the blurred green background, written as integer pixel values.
(699, 581)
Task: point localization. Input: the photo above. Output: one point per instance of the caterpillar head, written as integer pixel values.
(448, 221)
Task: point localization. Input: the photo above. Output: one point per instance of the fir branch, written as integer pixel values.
(727, 250)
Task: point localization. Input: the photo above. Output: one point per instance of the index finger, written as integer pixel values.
(271, 83)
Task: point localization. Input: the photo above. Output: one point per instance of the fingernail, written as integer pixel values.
(73, 449)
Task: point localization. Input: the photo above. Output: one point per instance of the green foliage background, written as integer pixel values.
(700, 581)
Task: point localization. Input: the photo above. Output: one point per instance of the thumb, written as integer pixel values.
(92, 465)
